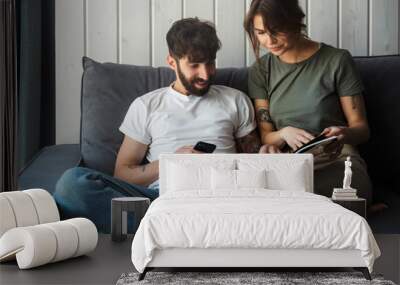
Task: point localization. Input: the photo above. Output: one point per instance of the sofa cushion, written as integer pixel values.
(108, 89)
(46, 167)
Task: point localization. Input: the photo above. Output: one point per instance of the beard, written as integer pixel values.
(189, 83)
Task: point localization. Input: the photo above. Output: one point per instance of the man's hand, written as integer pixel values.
(268, 148)
(187, 149)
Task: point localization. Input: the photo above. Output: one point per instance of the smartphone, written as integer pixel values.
(205, 147)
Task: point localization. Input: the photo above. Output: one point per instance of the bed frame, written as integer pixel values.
(242, 258)
(256, 258)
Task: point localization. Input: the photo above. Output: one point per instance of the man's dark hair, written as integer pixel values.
(193, 38)
(279, 16)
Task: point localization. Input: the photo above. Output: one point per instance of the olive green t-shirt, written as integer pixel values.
(306, 94)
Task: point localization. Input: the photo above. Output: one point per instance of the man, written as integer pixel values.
(167, 120)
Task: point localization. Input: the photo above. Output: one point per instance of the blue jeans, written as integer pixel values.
(83, 192)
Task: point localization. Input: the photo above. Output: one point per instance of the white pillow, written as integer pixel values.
(293, 179)
(183, 177)
(251, 178)
(281, 174)
(193, 175)
(225, 179)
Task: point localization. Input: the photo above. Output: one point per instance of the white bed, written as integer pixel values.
(223, 210)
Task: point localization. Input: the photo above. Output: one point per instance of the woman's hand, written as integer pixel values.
(339, 131)
(335, 148)
(295, 137)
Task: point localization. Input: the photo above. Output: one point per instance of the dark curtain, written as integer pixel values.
(36, 106)
(8, 95)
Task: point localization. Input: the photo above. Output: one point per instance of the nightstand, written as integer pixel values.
(119, 210)
(358, 206)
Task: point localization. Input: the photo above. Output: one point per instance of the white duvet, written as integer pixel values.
(250, 219)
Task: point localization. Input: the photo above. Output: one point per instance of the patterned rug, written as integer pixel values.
(243, 278)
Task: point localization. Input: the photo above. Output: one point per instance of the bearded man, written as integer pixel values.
(168, 120)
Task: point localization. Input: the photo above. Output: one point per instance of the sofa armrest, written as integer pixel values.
(48, 165)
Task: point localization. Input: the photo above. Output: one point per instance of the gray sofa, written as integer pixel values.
(108, 89)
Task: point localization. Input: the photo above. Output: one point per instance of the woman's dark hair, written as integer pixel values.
(193, 38)
(279, 16)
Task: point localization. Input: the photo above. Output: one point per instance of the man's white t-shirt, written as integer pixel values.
(166, 120)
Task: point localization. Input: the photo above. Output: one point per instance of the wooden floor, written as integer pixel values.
(110, 260)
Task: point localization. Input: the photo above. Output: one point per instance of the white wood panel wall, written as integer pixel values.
(102, 36)
(383, 28)
(163, 14)
(323, 21)
(203, 9)
(133, 32)
(70, 47)
(353, 26)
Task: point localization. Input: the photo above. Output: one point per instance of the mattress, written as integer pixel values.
(250, 219)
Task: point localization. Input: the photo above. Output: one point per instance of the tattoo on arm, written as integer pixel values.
(264, 116)
(250, 143)
(353, 103)
(143, 167)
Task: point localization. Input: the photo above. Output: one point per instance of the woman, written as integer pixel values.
(303, 88)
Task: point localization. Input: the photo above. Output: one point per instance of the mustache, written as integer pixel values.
(202, 81)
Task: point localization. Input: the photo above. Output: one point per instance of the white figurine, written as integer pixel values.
(347, 174)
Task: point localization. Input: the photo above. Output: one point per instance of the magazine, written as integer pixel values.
(316, 145)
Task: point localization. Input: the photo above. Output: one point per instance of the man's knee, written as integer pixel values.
(78, 179)
(73, 190)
